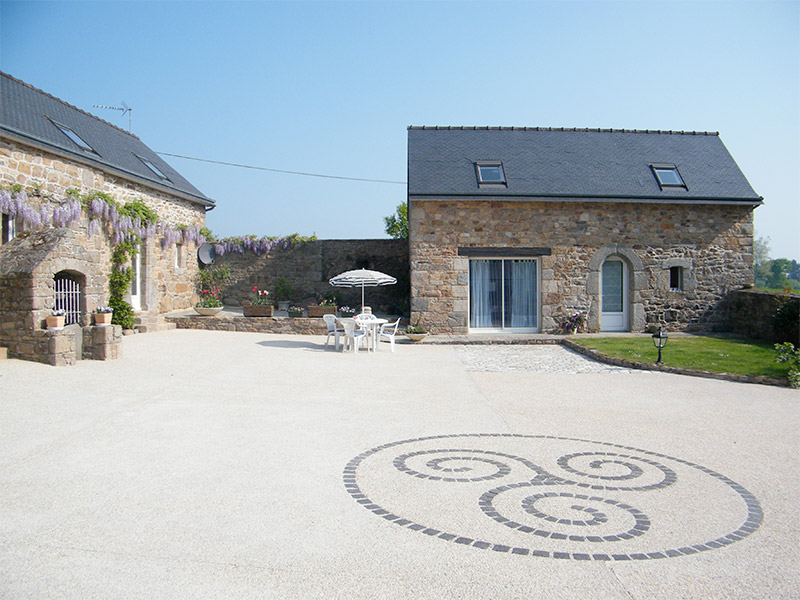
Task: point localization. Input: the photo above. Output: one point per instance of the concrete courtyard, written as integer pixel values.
(237, 465)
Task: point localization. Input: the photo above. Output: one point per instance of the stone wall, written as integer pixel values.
(308, 268)
(751, 313)
(713, 245)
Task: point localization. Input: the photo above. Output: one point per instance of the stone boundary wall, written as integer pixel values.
(281, 325)
(750, 312)
(309, 266)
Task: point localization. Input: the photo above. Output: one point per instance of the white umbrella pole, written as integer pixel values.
(362, 297)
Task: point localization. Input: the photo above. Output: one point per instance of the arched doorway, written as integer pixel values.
(614, 295)
(614, 283)
(69, 289)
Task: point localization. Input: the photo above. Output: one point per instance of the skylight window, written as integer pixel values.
(74, 137)
(152, 167)
(668, 176)
(490, 172)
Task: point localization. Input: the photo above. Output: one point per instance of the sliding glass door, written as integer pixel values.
(503, 294)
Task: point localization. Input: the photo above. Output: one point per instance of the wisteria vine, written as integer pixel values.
(104, 212)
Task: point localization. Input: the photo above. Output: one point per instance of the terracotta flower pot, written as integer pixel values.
(54, 321)
(103, 318)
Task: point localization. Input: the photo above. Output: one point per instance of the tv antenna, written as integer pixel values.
(124, 109)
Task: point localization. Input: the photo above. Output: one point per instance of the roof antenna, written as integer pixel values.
(125, 109)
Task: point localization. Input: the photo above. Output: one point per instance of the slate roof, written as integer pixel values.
(573, 164)
(27, 115)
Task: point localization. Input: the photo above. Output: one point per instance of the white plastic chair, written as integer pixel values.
(334, 329)
(352, 335)
(388, 331)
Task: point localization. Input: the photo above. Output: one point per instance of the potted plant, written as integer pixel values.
(103, 315)
(416, 333)
(209, 304)
(283, 292)
(346, 311)
(260, 304)
(295, 311)
(56, 320)
(574, 323)
(326, 306)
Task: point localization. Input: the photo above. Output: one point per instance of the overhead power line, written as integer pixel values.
(229, 164)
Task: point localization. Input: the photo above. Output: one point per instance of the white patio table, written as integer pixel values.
(370, 327)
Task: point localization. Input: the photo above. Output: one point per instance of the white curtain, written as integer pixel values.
(520, 293)
(482, 288)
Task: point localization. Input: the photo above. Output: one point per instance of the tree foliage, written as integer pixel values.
(397, 224)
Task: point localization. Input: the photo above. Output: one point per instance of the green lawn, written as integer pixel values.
(717, 354)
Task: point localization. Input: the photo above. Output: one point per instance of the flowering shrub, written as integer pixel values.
(328, 300)
(574, 322)
(260, 297)
(346, 310)
(59, 312)
(103, 309)
(210, 299)
(295, 309)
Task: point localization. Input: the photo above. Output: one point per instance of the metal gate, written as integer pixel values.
(68, 296)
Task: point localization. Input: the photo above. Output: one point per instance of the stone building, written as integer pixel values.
(65, 178)
(518, 229)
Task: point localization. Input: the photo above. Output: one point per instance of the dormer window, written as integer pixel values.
(668, 176)
(74, 137)
(153, 168)
(490, 172)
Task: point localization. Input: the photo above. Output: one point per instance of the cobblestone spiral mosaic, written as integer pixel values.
(549, 496)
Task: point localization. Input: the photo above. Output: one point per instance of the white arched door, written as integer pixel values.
(614, 296)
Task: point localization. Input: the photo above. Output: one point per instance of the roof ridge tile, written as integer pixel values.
(559, 129)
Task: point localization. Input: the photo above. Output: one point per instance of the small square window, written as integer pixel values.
(668, 176)
(490, 172)
(676, 279)
(152, 167)
(74, 137)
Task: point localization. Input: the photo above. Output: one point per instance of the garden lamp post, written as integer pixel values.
(659, 341)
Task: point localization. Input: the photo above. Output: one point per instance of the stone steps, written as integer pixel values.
(150, 323)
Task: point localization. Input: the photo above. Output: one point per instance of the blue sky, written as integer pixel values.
(331, 87)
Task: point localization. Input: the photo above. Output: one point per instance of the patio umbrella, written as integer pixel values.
(361, 278)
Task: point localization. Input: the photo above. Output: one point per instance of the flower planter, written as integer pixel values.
(347, 314)
(416, 337)
(318, 311)
(258, 310)
(295, 314)
(208, 311)
(103, 318)
(55, 322)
